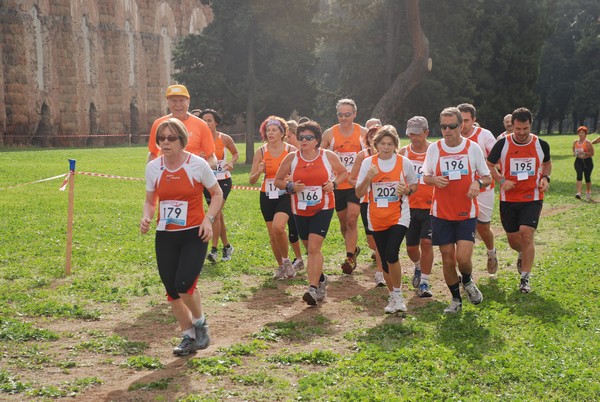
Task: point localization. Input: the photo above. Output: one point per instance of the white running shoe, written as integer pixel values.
(473, 292)
(298, 264)
(396, 304)
(322, 289)
(454, 307)
(279, 273)
(379, 279)
(288, 269)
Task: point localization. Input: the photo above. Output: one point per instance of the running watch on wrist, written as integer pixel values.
(211, 218)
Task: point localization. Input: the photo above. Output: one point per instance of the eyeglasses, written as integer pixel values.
(347, 114)
(170, 138)
(450, 126)
(306, 137)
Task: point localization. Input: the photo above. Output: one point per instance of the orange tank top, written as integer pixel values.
(386, 208)
(179, 199)
(220, 171)
(313, 174)
(451, 202)
(271, 166)
(346, 148)
(521, 163)
(422, 198)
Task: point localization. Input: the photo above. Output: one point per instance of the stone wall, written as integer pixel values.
(72, 68)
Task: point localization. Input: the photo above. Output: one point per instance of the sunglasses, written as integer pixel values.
(170, 138)
(450, 126)
(347, 114)
(306, 137)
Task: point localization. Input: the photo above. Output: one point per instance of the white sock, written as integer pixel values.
(418, 266)
(200, 320)
(284, 260)
(525, 275)
(190, 332)
(425, 278)
(492, 252)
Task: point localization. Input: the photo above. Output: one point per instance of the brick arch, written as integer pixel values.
(198, 21)
(164, 18)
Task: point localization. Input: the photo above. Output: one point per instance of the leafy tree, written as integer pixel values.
(255, 58)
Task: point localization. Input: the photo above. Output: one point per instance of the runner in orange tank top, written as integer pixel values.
(583, 150)
(222, 172)
(373, 125)
(388, 179)
(418, 236)
(176, 181)
(485, 200)
(308, 174)
(525, 167)
(346, 140)
(451, 165)
(275, 204)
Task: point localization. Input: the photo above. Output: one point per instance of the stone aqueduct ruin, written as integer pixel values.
(75, 68)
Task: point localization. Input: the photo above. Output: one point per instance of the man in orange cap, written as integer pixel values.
(200, 139)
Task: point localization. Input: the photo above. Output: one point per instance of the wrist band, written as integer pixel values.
(289, 187)
(502, 180)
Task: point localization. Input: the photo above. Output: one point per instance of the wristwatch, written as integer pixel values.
(211, 218)
(480, 183)
(547, 178)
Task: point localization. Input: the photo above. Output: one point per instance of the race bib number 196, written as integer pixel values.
(454, 166)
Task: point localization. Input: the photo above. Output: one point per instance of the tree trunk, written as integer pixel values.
(392, 102)
(392, 40)
(250, 115)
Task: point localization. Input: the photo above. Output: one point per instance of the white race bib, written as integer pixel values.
(347, 159)
(454, 166)
(172, 212)
(523, 168)
(385, 192)
(220, 171)
(418, 167)
(272, 191)
(310, 196)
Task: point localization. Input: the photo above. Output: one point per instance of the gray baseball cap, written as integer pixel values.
(416, 125)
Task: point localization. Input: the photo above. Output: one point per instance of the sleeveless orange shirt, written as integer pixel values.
(346, 148)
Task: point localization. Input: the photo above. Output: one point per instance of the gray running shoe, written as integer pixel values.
(492, 264)
(279, 273)
(310, 297)
(473, 292)
(588, 197)
(424, 290)
(322, 289)
(454, 307)
(288, 269)
(298, 264)
(227, 252)
(186, 346)
(212, 256)
(396, 304)
(379, 279)
(525, 287)
(416, 279)
(202, 337)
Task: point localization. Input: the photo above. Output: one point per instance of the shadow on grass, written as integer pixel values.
(520, 304)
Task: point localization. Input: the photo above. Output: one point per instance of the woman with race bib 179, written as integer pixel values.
(176, 180)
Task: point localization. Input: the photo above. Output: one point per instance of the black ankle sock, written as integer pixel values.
(455, 290)
(349, 255)
(466, 278)
(322, 278)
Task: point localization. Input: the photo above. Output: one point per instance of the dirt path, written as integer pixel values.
(352, 303)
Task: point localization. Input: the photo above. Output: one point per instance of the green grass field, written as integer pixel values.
(55, 340)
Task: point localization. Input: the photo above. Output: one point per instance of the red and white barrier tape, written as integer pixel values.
(37, 181)
(63, 186)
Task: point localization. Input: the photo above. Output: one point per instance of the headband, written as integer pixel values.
(274, 122)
